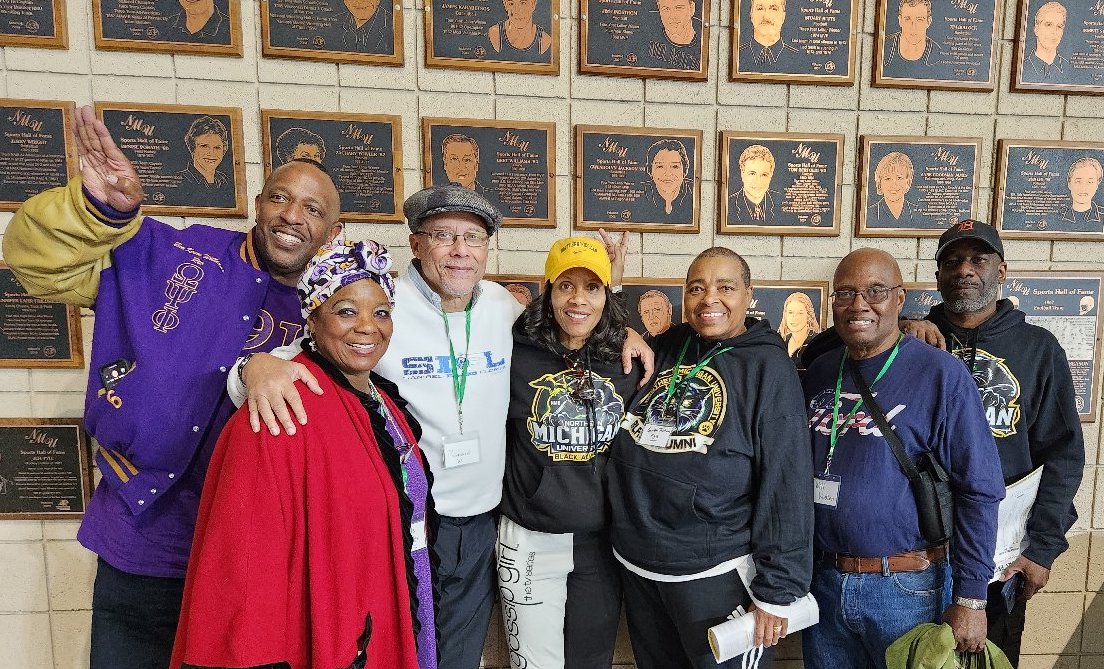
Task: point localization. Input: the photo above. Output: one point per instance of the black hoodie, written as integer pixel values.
(557, 441)
(1027, 389)
(734, 478)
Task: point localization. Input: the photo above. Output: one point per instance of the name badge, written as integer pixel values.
(417, 536)
(826, 490)
(657, 431)
(460, 449)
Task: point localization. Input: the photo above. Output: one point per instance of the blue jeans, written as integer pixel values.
(863, 614)
(133, 619)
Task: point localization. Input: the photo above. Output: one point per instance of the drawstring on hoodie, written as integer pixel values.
(584, 392)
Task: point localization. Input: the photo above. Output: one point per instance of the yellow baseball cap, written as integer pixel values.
(574, 252)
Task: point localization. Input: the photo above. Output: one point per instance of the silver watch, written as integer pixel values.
(970, 603)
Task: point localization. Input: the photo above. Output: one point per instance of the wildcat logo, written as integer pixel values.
(1000, 391)
(566, 427)
(699, 409)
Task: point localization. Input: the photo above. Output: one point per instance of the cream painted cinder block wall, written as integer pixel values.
(46, 576)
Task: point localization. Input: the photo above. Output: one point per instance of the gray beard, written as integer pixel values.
(967, 306)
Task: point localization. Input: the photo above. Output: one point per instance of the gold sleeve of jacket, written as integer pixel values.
(58, 243)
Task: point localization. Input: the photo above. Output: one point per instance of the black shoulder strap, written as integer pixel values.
(895, 444)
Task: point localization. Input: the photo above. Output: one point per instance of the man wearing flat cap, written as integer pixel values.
(1027, 389)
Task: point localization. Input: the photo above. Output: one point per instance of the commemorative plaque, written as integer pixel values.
(36, 333)
(362, 152)
(919, 299)
(948, 44)
(664, 39)
(494, 35)
(780, 184)
(524, 287)
(1049, 190)
(208, 27)
(34, 23)
(794, 41)
(511, 163)
(798, 310)
(1059, 47)
(637, 179)
(655, 305)
(190, 159)
(916, 186)
(36, 148)
(44, 469)
(340, 31)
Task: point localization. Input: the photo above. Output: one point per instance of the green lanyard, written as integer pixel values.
(459, 379)
(675, 383)
(836, 434)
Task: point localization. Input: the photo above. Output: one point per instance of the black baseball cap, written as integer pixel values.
(970, 229)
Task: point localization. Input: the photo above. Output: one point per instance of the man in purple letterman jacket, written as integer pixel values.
(174, 309)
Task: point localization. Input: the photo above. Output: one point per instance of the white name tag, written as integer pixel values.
(460, 449)
(417, 536)
(826, 490)
(656, 433)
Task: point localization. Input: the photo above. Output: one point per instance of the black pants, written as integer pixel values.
(1005, 629)
(133, 619)
(466, 585)
(669, 622)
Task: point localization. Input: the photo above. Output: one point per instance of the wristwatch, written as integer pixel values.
(970, 603)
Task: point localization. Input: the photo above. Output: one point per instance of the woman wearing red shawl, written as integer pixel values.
(310, 550)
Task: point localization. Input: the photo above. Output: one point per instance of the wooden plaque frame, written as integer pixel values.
(269, 50)
(75, 338)
(233, 49)
(645, 72)
(68, 110)
(59, 39)
(84, 462)
(829, 78)
(432, 59)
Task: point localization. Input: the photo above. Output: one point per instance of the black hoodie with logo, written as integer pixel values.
(735, 476)
(558, 438)
(1027, 390)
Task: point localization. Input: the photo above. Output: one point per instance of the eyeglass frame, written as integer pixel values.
(866, 293)
(437, 238)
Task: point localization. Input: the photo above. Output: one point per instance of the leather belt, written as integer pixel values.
(918, 560)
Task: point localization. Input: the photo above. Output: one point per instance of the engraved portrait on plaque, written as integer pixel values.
(939, 44)
(1059, 47)
(524, 287)
(637, 179)
(797, 310)
(190, 159)
(798, 41)
(362, 153)
(33, 23)
(341, 31)
(209, 27)
(916, 186)
(494, 35)
(1049, 190)
(664, 39)
(780, 184)
(655, 305)
(511, 163)
(36, 148)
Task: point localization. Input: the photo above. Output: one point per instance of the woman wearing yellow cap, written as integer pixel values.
(561, 596)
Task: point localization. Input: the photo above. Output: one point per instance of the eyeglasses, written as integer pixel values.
(872, 295)
(448, 238)
(978, 261)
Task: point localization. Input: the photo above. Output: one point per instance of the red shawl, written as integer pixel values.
(298, 539)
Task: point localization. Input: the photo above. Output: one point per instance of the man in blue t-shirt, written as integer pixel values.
(875, 576)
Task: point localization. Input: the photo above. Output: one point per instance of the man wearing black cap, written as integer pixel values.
(1026, 387)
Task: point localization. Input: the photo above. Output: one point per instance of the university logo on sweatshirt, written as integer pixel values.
(569, 422)
(999, 389)
(699, 407)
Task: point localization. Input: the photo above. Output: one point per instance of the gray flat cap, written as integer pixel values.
(443, 199)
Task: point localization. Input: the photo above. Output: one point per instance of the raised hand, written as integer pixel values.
(107, 174)
(617, 251)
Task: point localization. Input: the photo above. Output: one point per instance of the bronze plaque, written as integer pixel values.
(494, 35)
(780, 184)
(45, 472)
(794, 41)
(338, 31)
(35, 23)
(36, 333)
(916, 186)
(798, 310)
(661, 39)
(362, 152)
(207, 27)
(1049, 190)
(524, 287)
(1059, 47)
(940, 44)
(36, 148)
(655, 305)
(511, 163)
(190, 159)
(637, 179)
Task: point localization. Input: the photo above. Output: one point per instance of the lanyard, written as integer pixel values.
(836, 433)
(459, 379)
(676, 383)
(968, 348)
(392, 427)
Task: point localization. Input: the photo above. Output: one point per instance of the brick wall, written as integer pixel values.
(46, 577)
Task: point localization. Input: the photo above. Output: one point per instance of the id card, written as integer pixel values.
(417, 536)
(826, 490)
(460, 449)
(657, 431)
